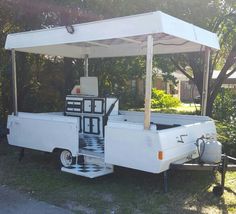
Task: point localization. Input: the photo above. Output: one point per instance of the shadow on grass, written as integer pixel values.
(125, 191)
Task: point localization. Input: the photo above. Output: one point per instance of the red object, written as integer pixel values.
(77, 90)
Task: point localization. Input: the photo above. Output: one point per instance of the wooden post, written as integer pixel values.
(14, 83)
(86, 74)
(179, 89)
(205, 81)
(148, 88)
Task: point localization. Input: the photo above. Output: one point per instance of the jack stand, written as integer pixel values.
(219, 189)
(22, 154)
(165, 179)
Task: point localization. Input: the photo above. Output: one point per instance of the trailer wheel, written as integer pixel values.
(66, 158)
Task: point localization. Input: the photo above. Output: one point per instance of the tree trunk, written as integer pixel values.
(209, 109)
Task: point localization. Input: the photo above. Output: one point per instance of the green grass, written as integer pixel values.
(184, 108)
(125, 191)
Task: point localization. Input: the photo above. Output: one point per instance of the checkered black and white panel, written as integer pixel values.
(92, 144)
(89, 168)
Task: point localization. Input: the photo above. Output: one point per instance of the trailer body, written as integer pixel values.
(171, 138)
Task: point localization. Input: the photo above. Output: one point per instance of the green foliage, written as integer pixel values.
(227, 136)
(160, 99)
(225, 112)
(224, 108)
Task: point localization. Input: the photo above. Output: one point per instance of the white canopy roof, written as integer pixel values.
(125, 36)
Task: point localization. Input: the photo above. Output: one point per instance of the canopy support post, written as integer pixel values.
(86, 74)
(205, 80)
(148, 89)
(14, 83)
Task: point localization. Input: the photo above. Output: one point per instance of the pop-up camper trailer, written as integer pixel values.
(93, 126)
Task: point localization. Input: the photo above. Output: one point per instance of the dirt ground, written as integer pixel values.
(12, 202)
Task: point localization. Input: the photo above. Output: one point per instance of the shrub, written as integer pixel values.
(160, 99)
(224, 111)
(224, 108)
(227, 136)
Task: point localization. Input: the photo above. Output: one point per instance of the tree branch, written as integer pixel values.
(230, 73)
(177, 65)
(228, 64)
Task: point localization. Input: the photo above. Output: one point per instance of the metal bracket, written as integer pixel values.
(181, 138)
(222, 167)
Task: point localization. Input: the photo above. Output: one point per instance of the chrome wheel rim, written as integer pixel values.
(66, 158)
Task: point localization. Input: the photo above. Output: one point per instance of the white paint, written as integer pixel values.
(211, 151)
(89, 86)
(44, 132)
(98, 106)
(109, 102)
(88, 105)
(86, 125)
(87, 36)
(86, 69)
(205, 81)
(127, 144)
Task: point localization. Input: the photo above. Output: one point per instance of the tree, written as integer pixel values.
(191, 65)
(33, 71)
(216, 15)
(23, 15)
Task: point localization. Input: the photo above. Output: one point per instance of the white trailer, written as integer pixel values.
(92, 126)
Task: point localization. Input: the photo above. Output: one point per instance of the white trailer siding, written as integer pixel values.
(127, 144)
(44, 132)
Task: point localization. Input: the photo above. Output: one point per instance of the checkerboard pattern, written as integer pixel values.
(86, 168)
(92, 144)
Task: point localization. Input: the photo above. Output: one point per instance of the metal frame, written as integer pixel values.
(86, 72)
(149, 59)
(222, 167)
(14, 83)
(119, 37)
(205, 80)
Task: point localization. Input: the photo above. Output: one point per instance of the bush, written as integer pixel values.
(160, 99)
(227, 136)
(224, 108)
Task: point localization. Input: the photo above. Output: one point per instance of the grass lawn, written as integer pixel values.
(187, 107)
(125, 191)
(184, 108)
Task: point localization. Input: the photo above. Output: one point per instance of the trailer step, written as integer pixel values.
(91, 145)
(95, 156)
(89, 170)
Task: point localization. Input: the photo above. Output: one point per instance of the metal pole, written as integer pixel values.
(148, 89)
(205, 80)
(86, 74)
(165, 179)
(14, 83)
